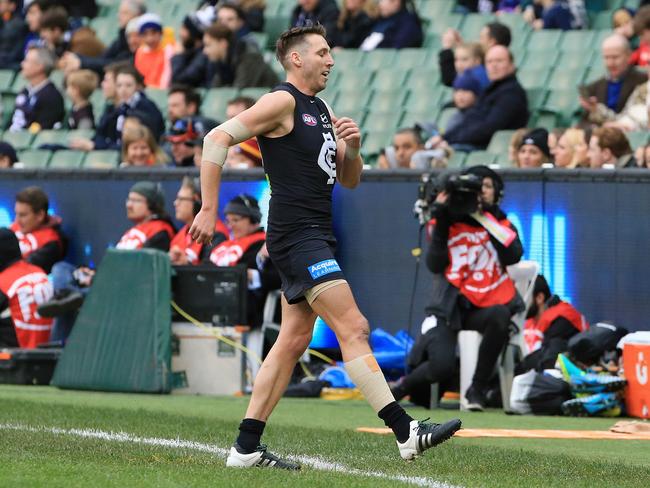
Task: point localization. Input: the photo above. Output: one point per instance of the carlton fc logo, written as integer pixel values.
(310, 120)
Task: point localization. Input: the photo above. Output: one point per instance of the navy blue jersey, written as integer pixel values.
(301, 168)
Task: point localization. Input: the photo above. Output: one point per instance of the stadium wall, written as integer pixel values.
(588, 230)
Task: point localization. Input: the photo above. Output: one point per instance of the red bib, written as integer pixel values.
(534, 331)
(32, 241)
(192, 249)
(474, 266)
(26, 287)
(229, 253)
(135, 237)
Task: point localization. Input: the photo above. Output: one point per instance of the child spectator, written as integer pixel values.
(54, 30)
(139, 148)
(469, 57)
(13, 32)
(152, 58)
(7, 155)
(33, 16)
(466, 91)
(80, 85)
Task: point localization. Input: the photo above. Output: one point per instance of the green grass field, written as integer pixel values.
(44, 444)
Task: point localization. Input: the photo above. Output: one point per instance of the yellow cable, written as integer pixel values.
(237, 345)
(211, 331)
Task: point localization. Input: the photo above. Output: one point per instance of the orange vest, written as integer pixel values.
(192, 249)
(474, 266)
(155, 66)
(135, 237)
(534, 331)
(229, 253)
(26, 287)
(32, 241)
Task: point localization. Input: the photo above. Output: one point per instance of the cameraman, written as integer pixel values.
(470, 248)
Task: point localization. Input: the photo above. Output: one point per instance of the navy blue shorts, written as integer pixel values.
(304, 265)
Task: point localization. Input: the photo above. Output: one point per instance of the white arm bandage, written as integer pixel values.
(216, 153)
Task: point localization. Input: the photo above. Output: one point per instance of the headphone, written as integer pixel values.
(197, 195)
(256, 215)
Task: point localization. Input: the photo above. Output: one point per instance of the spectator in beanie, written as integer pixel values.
(466, 91)
(152, 58)
(533, 151)
(7, 155)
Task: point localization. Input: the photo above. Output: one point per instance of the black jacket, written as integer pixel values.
(502, 106)
(354, 31)
(12, 42)
(447, 66)
(244, 67)
(108, 136)
(117, 51)
(44, 108)
(326, 13)
(190, 68)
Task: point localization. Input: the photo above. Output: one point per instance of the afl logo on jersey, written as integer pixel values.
(310, 120)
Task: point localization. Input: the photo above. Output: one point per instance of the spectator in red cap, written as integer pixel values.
(184, 130)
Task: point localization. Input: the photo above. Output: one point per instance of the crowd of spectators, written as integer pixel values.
(218, 45)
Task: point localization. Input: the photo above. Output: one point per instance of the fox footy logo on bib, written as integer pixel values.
(310, 120)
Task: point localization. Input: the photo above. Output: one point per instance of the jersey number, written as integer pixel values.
(327, 157)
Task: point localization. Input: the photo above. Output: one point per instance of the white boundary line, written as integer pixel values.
(314, 462)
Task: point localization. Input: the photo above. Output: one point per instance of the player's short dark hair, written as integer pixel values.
(247, 102)
(190, 95)
(35, 198)
(129, 69)
(500, 33)
(294, 36)
(55, 18)
(219, 31)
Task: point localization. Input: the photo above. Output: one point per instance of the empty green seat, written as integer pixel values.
(388, 101)
(355, 80)
(457, 160)
(379, 59)
(539, 60)
(500, 142)
(412, 58)
(637, 138)
(381, 122)
(254, 92)
(351, 102)
(6, 79)
(376, 141)
(412, 117)
(536, 98)
(34, 158)
(157, 96)
(348, 58)
(533, 78)
(50, 137)
(67, 159)
(564, 103)
(480, 157)
(578, 41)
(545, 40)
(472, 25)
(19, 140)
(101, 159)
(565, 79)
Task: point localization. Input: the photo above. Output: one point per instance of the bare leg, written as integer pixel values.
(336, 306)
(274, 375)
